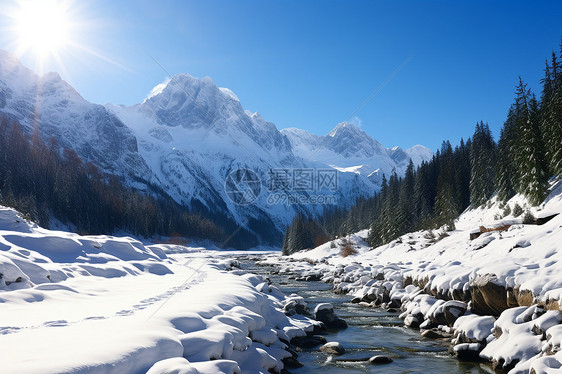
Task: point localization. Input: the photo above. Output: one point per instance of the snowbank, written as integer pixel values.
(510, 274)
(104, 304)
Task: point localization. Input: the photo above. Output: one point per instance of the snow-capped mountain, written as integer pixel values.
(350, 149)
(193, 134)
(56, 110)
(188, 137)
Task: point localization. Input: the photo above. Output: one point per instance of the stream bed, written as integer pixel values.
(370, 332)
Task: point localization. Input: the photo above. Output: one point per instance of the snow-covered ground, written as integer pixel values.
(100, 304)
(512, 277)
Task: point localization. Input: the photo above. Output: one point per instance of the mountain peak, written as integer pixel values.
(346, 128)
(228, 92)
(185, 84)
(51, 76)
(187, 137)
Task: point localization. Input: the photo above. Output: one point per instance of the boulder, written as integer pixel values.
(292, 363)
(319, 328)
(413, 320)
(394, 303)
(488, 298)
(467, 351)
(313, 277)
(380, 359)
(333, 348)
(325, 313)
(308, 341)
(435, 334)
(295, 304)
(501, 365)
(453, 310)
(460, 295)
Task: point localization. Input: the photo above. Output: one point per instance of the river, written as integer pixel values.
(371, 331)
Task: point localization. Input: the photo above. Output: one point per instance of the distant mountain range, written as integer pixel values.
(190, 135)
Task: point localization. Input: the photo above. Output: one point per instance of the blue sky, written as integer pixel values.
(311, 64)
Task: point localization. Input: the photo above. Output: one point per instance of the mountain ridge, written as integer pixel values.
(187, 137)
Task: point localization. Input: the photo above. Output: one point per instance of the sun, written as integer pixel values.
(41, 27)
(54, 35)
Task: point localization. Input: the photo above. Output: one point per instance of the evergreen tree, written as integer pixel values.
(505, 180)
(446, 203)
(435, 193)
(422, 201)
(482, 161)
(532, 176)
(406, 199)
(285, 246)
(551, 119)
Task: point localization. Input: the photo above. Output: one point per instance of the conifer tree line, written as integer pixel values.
(527, 154)
(42, 182)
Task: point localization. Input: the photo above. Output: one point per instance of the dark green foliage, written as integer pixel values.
(435, 193)
(448, 194)
(551, 118)
(482, 161)
(530, 166)
(506, 180)
(529, 218)
(42, 182)
(303, 233)
(517, 210)
(506, 211)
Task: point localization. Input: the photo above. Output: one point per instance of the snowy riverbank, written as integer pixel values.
(114, 305)
(505, 285)
(86, 304)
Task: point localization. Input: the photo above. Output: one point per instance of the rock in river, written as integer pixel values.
(325, 313)
(333, 348)
(379, 360)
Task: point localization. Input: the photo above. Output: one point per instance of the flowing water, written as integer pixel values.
(371, 331)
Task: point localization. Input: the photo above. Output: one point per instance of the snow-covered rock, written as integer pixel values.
(440, 282)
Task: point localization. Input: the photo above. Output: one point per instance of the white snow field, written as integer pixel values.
(516, 273)
(101, 304)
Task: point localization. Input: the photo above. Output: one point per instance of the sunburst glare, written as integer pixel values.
(42, 27)
(52, 33)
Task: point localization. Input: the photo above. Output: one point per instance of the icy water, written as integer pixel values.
(371, 331)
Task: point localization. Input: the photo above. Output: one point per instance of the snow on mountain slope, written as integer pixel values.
(189, 135)
(53, 107)
(102, 304)
(348, 148)
(419, 153)
(193, 134)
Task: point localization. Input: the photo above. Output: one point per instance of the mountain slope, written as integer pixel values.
(52, 107)
(193, 134)
(348, 148)
(187, 138)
